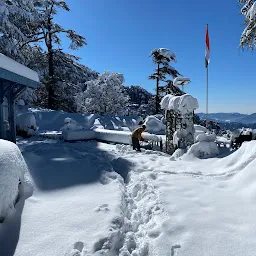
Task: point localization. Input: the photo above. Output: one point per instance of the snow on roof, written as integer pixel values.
(13, 66)
(165, 53)
(184, 104)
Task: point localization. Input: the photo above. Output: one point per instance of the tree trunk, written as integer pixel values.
(51, 82)
(157, 91)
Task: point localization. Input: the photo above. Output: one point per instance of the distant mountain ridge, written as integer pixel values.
(231, 117)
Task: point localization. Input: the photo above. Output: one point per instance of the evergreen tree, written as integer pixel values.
(26, 24)
(248, 37)
(162, 57)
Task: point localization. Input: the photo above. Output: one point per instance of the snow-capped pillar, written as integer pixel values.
(179, 117)
(172, 122)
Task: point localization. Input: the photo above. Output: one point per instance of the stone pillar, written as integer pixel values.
(172, 122)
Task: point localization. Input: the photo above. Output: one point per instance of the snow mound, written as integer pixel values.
(200, 128)
(12, 170)
(51, 120)
(26, 122)
(178, 153)
(206, 137)
(183, 104)
(21, 102)
(203, 149)
(178, 135)
(243, 163)
(71, 124)
(154, 125)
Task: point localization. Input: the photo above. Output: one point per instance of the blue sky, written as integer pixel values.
(120, 35)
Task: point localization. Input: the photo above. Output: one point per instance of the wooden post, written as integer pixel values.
(1, 111)
(11, 115)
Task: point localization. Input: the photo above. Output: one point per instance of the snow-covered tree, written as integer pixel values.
(26, 24)
(49, 33)
(162, 57)
(15, 19)
(248, 37)
(105, 95)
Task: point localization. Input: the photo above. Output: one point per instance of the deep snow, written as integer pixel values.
(100, 199)
(12, 171)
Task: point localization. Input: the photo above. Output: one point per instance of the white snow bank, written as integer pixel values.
(151, 137)
(12, 170)
(203, 149)
(51, 120)
(113, 136)
(26, 122)
(245, 161)
(98, 134)
(17, 68)
(154, 125)
(184, 104)
(74, 135)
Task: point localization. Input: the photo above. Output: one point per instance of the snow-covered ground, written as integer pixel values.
(99, 199)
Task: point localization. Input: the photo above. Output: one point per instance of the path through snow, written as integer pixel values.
(99, 199)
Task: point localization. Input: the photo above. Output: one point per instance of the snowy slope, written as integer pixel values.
(99, 199)
(77, 201)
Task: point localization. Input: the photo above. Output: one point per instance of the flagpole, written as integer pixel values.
(207, 59)
(207, 95)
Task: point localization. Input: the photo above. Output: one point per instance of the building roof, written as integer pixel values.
(11, 70)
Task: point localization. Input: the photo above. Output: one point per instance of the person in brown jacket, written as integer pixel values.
(136, 137)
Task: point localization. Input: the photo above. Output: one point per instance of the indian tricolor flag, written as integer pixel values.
(207, 49)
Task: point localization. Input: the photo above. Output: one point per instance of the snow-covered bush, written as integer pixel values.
(203, 149)
(26, 125)
(12, 170)
(154, 125)
(205, 146)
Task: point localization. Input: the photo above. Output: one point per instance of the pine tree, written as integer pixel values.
(162, 57)
(248, 37)
(26, 24)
